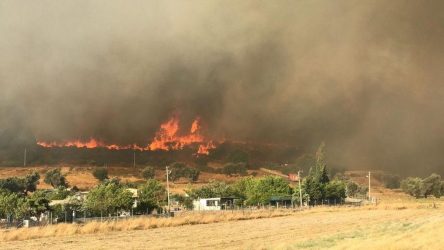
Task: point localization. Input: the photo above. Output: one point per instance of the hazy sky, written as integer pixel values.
(366, 77)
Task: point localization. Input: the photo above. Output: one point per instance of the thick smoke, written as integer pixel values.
(363, 76)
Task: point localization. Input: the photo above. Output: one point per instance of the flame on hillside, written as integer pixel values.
(167, 138)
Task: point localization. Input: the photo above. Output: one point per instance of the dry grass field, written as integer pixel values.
(416, 226)
(396, 222)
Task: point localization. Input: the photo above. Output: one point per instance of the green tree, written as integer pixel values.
(320, 170)
(266, 187)
(9, 202)
(148, 173)
(232, 169)
(238, 156)
(151, 195)
(177, 170)
(108, 197)
(12, 184)
(55, 178)
(100, 174)
(244, 187)
(60, 193)
(314, 183)
(335, 190)
(31, 181)
(36, 204)
(211, 190)
(192, 174)
(352, 189)
(432, 186)
(413, 186)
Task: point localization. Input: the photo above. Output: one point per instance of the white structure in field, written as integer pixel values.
(213, 204)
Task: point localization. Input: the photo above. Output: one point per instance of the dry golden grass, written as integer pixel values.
(370, 227)
(186, 218)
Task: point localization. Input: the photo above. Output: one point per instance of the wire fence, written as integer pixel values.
(49, 220)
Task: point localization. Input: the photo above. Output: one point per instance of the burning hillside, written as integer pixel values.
(168, 137)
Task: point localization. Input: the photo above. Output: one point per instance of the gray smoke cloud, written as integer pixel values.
(363, 76)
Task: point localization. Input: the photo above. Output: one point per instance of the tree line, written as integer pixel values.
(423, 187)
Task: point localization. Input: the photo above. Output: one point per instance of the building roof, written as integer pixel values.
(281, 198)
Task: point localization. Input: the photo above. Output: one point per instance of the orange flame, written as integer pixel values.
(204, 149)
(166, 138)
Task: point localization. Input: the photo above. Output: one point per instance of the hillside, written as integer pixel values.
(81, 176)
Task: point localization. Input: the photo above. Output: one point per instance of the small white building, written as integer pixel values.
(214, 204)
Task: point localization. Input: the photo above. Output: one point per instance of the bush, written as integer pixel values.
(148, 173)
(335, 190)
(354, 189)
(413, 186)
(179, 170)
(55, 178)
(152, 195)
(238, 156)
(108, 197)
(192, 174)
(100, 174)
(232, 169)
(418, 187)
(21, 185)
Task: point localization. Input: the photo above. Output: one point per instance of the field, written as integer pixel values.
(418, 226)
(396, 222)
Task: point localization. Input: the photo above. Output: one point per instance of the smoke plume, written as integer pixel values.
(363, 76)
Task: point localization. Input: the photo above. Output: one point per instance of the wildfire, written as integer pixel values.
(168, 137)
(204, 149)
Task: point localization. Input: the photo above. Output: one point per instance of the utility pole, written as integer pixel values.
(134, 158)
(24, 158)
(168, 187)
(300, 188)
(369, 185)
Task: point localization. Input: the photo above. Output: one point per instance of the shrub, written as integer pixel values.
(179, 170)
(232, 169)
(335, 190)
(151, 195)
(21, 185)
(148, 173)
(100, 174)
(192, 174)
(413, 186)
(55, 178)
(108, 197)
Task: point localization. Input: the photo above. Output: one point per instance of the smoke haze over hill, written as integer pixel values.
(366, 77)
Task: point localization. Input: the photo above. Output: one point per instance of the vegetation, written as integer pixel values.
(100, 174)
(419, 188)
(19, 185)
(252, 191)
(55, 178)
(151, 195)
(232, 169)
(179, 170)
(108, 198)
(148, 173)
(317, 185)
(354, 190)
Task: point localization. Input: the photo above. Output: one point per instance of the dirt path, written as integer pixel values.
(249, 234)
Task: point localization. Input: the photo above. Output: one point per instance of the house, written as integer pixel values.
(134, 196)
(214, 204)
